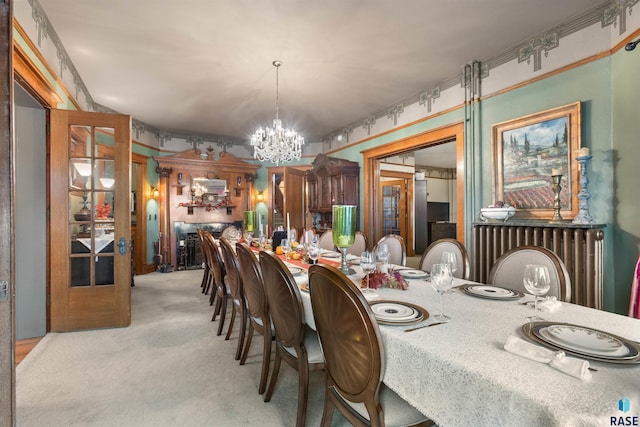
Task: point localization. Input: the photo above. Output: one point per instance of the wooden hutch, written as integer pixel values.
(331, 181)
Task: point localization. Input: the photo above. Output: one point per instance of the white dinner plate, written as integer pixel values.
(582, 341)
(413, 274)
(585, 340)
(296, 271)
(331, 255)
(490, 292)
(397, 312)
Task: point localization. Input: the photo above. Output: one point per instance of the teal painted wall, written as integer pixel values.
(624, 157)
(610, 127)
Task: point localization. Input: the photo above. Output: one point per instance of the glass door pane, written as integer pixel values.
(91, 206)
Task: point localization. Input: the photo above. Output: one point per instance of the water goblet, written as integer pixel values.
(441, 281)
(382, 257)
(368, 264)
(451, 259)
(313, 252)
(286, 247)
(536, 281)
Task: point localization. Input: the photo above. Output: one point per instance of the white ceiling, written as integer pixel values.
(205, 66)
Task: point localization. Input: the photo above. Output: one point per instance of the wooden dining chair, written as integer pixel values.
(397, 248)
(206, 276)
(222, 291)
(326, 241)
(259, 320)
(433, 255)
(508, 270)
(359, 244)
(238, 302)
(354, 355)
(296, 343)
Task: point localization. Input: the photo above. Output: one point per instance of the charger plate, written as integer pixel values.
(583, 342)
(490, 292)
(397, 312)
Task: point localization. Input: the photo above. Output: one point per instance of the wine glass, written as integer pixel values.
(314, 251)
(451, 259)
(286, 247)
(382, 257)
(368, 264)
(441, 281)
(536, 281)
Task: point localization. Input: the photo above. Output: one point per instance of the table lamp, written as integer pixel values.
(344, 231)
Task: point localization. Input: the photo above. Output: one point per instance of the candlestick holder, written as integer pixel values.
(583, 216)
(344, 232)
(556, 198)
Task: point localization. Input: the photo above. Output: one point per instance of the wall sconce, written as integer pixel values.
(84, 169)
(107, 182)
(154, 193)
(260, 197)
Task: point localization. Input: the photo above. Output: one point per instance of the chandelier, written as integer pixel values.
(277, 144)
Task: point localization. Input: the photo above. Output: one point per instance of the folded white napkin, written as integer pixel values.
(549, 305)
(556, 359)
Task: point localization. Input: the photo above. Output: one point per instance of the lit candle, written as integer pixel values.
(556, 171)
(583, 152)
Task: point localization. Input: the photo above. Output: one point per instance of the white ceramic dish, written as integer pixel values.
(500, 214)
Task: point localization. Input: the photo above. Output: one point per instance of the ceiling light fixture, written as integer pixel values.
(277, 144)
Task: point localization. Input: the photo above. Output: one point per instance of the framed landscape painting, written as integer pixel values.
(525, 152)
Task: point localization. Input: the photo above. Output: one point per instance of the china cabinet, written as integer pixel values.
(331, 181)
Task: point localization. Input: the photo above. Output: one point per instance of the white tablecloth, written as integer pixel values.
(459, 374)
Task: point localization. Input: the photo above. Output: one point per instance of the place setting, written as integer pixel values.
(583, 342)
(397, 313)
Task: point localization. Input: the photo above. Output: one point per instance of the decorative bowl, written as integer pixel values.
(500, 214)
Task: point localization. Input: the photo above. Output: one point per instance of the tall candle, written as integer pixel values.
(288, 227)
(260, 224)
(584, 151)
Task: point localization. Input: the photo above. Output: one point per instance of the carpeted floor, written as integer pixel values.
(167, 369)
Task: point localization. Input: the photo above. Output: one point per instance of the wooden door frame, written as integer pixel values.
(7, 236)
(371, 172)
(271, 171)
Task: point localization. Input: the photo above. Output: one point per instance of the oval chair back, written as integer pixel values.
(259, 319)
(354, 357)
(296, 343)
(359, 244)
(508, 270)
(397, 248)
(433, 255)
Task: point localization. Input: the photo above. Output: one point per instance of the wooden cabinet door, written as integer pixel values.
(90, 220)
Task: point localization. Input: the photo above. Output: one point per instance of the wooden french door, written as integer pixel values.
(393, 203)
(90, 217)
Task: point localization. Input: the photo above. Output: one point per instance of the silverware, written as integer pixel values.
(424, 326)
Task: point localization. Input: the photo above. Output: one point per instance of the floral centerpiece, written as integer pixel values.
(103, 211)
(378, 279)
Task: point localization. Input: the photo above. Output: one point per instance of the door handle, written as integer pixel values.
(122, 246)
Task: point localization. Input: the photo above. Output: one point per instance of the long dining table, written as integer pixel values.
(459, 374)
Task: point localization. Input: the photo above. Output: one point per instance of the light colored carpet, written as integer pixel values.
(167, 369)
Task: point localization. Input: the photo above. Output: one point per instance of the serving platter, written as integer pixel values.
(397, 312)
(584, 342)
(490, 292)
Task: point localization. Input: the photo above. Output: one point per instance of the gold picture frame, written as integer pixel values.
(526, 151)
